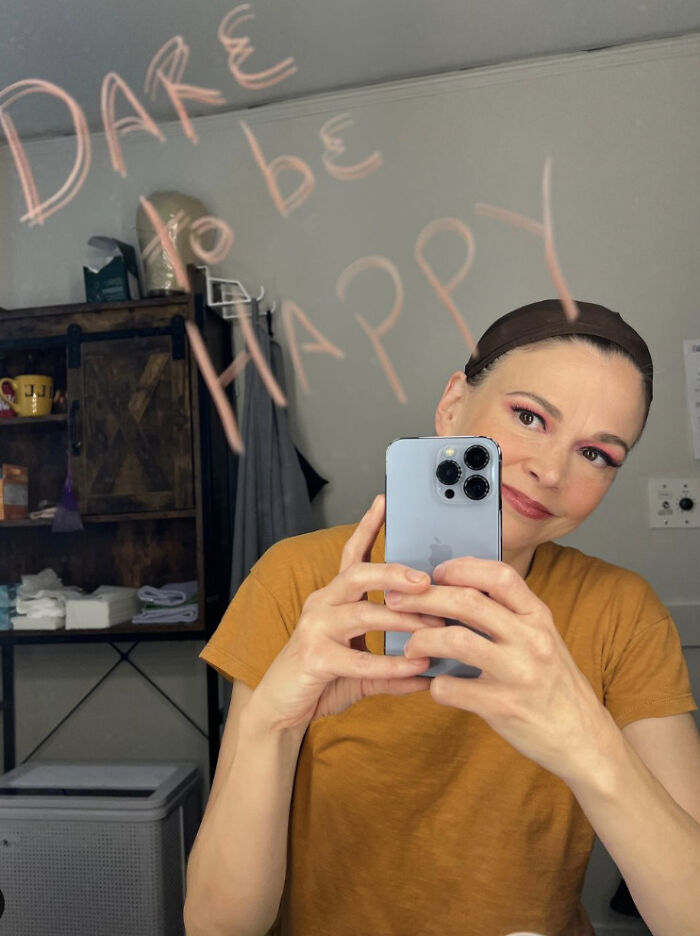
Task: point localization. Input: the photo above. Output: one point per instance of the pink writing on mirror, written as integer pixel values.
(221, 247)
(113, 127)
(335, 147)
(165, 71)
(240, 49)
(38, 211)
(212, 238)
(217, 384)
(198, 229)
(444, 290)
(271, 172)
(543, 229)
(291, 311)
(374, 334)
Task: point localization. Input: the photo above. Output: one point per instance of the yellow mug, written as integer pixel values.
(34, 393)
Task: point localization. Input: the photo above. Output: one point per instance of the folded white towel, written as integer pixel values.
(41, 607)
(47, 580)
(25, 622)
(168, 596)
(185, 614)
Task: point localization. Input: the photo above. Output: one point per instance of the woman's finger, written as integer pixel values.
(363, 617)
(362, 577)
(336, 661)
(497, 579)
(399, 686)
(471, 695)
(359, 545)
(456, 643)
(397, 622)
(463, 604)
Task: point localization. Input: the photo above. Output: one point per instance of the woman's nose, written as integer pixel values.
(549, 465)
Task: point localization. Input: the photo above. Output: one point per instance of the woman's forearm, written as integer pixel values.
(237, 867)
(653, 841)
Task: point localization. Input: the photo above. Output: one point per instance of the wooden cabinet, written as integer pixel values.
(147, 456)
(131, 426)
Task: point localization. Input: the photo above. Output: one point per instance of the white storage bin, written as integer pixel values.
(96, 849)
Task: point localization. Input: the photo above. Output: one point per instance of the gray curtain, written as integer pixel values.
(272, 497)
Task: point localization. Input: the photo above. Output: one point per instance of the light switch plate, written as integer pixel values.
(665, 496)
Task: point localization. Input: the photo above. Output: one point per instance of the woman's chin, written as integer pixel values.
(519, 533)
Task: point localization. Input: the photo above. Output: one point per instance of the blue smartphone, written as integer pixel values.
(443, 500)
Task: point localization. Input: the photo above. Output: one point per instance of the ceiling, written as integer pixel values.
(335, 45)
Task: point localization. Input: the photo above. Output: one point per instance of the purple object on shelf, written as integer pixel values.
(67, 518)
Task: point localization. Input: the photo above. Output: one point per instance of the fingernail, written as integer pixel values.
(438, 572)
(393, 597)
(413, 575)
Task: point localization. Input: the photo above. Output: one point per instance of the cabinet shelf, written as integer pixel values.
(51, 419)
(107, 518)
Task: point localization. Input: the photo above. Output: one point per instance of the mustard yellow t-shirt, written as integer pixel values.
(413, 819)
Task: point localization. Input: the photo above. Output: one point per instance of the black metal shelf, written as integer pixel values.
(121, 633)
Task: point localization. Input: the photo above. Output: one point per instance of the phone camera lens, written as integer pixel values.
(476, 487)
(449, 493)
(448, 472)
(476, 457)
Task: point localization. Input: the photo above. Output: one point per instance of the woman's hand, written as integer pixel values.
(325, 667)
(530, 691)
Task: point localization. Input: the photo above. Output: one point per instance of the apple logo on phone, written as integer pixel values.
(439, 552)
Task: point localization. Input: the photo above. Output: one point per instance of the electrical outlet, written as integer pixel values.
(674, 502)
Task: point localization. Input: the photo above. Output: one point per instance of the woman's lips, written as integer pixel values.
(525, 506)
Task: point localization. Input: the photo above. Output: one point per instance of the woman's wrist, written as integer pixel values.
(257, 723)
(595, 760)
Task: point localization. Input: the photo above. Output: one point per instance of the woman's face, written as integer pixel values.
(564, 416)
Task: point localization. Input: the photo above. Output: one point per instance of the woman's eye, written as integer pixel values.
(526, 416)
(596, 457)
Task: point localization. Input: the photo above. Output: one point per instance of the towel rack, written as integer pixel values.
(225, 306)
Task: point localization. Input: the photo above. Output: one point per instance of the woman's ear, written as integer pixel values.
(450, 409)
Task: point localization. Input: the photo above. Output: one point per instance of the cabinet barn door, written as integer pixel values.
(133, 426)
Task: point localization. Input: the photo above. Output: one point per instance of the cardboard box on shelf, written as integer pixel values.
(14, 492)
(111, 273)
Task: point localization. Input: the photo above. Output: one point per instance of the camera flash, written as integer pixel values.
(449, 451)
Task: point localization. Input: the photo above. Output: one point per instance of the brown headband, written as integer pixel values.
(546, 319)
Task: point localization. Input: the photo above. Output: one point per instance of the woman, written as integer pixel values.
(470, 807)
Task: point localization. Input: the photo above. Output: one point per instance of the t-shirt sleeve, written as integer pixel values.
(647, 676)
(251, 634)
(264, 611)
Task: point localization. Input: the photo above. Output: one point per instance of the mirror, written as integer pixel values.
(395, 220)
(394, 177)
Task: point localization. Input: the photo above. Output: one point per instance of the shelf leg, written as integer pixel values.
(8, 706)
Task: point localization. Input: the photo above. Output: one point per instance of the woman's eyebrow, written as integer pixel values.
(545, 404)
(556, 414)
(609, 437)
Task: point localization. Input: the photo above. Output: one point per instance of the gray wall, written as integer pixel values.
(623, 129)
